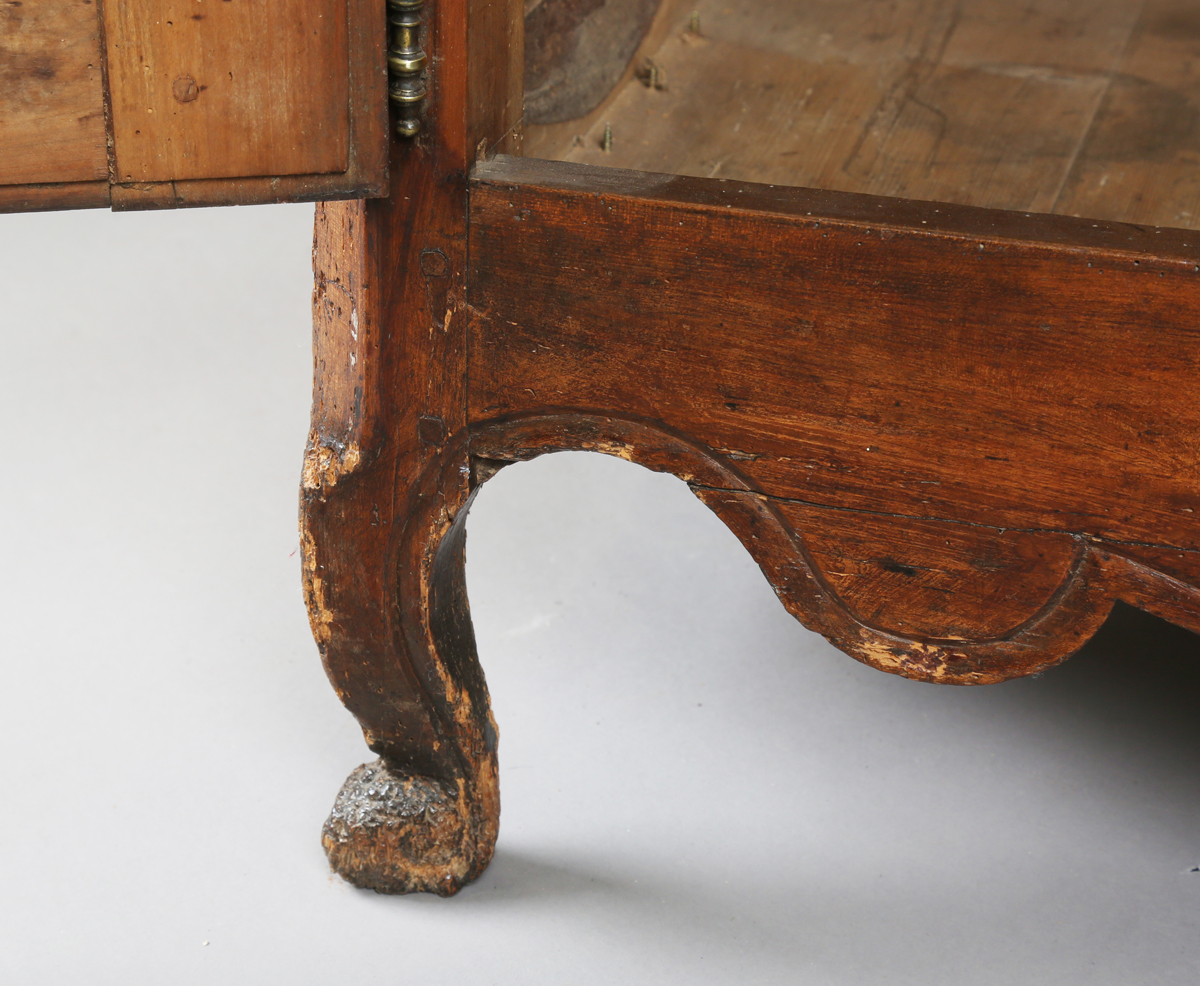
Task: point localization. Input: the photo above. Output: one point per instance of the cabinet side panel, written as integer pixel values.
(51, 97)
(228, 88)
(932, 362)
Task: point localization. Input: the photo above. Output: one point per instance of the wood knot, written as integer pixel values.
(434, 263)
(184, 89)
(431, 430)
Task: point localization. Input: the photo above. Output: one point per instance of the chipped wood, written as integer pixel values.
(387, 479)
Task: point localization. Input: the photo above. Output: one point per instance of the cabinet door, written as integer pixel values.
(163, 103)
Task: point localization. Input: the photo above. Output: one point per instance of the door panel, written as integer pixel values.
(51, 96)
(209, 102)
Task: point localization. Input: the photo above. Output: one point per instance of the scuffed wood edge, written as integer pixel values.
(345, 343)
(242, 191)
(1101, 575)
(882, 215)
(46, 198)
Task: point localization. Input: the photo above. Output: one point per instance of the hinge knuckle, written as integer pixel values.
(406, 64)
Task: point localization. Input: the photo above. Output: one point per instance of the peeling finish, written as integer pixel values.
(325, 465)
(918, 660)
(320, 617)
(397, 834)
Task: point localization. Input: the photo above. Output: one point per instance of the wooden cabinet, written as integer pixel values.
(953, 432)
(868, 276)
(161, 103)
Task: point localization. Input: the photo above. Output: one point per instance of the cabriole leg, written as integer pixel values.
(386, 478)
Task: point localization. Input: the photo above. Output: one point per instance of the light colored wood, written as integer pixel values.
(545, 140)
(304, 116)
(227, 88)
(51, 95)
(1083, 107)
(1141, 160)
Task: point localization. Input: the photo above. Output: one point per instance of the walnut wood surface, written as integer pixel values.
(51, 96)
(386, 478)
(209, 102)
(1077, 107)
(951, 437)
(231, 89)
(942, 363)
(965, 408)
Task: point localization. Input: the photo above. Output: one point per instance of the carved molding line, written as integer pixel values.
(1098, 575)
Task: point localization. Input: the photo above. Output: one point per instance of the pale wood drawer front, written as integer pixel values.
(143, 104)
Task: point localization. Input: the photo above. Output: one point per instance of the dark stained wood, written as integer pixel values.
(969, 431)
(386, 480)
(1096, 577)
(912, 363)
(42, 198)
(576, 51)
(934, 579)
(51, 97)
(952, 438)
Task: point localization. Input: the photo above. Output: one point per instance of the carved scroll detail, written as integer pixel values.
(1098, 575)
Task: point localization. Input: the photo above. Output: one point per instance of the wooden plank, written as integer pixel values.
(357, 77)
(977, 102)
(1141, 160)
(1024, 372)
(44, 198)
(51, 95)
(205, 89)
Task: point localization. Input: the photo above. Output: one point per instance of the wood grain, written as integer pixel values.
(576, 50)
(1015, 572)
(1140, 160)
(44, 198)
(297, 112)
(909, 359)
(1078, 107)
(228, 88)
(951, 437)
(933, 579)
(51, 95)
(387, 479)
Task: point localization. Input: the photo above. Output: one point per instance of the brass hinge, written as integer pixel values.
(406, 64)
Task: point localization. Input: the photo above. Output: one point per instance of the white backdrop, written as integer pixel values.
(696, 790)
